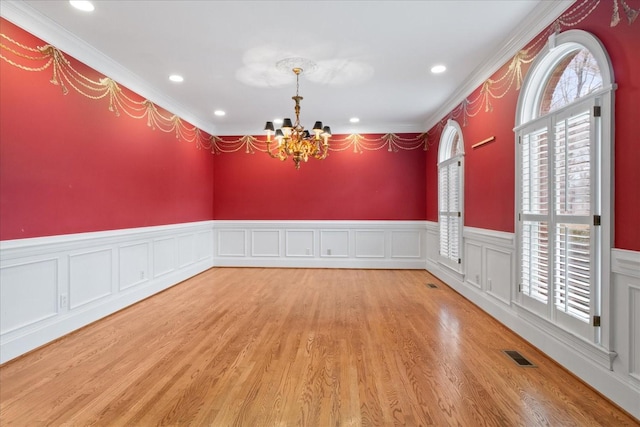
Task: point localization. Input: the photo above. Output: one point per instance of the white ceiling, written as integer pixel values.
(373, 57)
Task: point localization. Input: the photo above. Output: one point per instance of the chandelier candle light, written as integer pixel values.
(293, 140)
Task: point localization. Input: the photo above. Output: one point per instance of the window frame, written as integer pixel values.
(448, 159)
(527, 118)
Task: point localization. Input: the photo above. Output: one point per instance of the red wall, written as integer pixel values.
(490, 169)
(373, 185)
(68, 165)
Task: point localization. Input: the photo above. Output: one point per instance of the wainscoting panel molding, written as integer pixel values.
(500, 275)
(164, 256)
(35, 282)
(334, 243)
(473, 263)
(265, 243)
(370, 243)
(186, 250)
(134, 264)
(232, 243)
(300, 243)
(489, 261)
(50, 286)
(406, 244)
(323, 244)
(90, 277)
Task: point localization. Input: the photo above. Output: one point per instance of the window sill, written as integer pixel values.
(592, 351)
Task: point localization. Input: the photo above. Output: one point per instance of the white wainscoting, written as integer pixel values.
(323, 244)
(488, 280)
(626, 300)
(50, 286)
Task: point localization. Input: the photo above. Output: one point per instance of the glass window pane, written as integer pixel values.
(576, 75)
(455, 146)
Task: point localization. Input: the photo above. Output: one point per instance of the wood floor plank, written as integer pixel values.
(297, 347)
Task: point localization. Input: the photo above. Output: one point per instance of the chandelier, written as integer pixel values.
(293, 140)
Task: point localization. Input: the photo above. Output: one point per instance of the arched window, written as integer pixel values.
(450, 194)
(563, 131)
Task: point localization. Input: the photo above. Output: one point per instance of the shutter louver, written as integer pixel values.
(535, 207)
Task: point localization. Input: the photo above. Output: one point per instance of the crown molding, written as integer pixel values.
(540, 18)
(46, 29)
(347, 129)
(24, 16)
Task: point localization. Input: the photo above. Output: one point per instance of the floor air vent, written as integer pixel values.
(519, 359)
(432, 286)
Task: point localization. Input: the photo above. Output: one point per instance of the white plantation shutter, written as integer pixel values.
(443, 218)
(535, 210)
(557, 238)
(450, 209)
(573, 164)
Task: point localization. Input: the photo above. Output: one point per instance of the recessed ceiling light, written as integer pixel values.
(354, 120)
(176, 78)
(437, 69)
(83, 5)
(277, 121)
(219, 113)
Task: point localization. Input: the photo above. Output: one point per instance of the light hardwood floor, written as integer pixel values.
(290, 347)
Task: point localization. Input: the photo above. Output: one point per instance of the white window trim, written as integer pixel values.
(556, 48)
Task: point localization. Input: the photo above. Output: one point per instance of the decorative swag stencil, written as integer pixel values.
(43, 58)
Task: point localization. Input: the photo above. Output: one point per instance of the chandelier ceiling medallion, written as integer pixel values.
(292, 140)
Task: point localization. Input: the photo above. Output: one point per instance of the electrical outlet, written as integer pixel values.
(63, 301)
(308, 251)
(328, 251)
(141, 274)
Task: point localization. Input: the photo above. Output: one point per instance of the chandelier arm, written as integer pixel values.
(278, 154)
(323, 154)
(269, 150)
